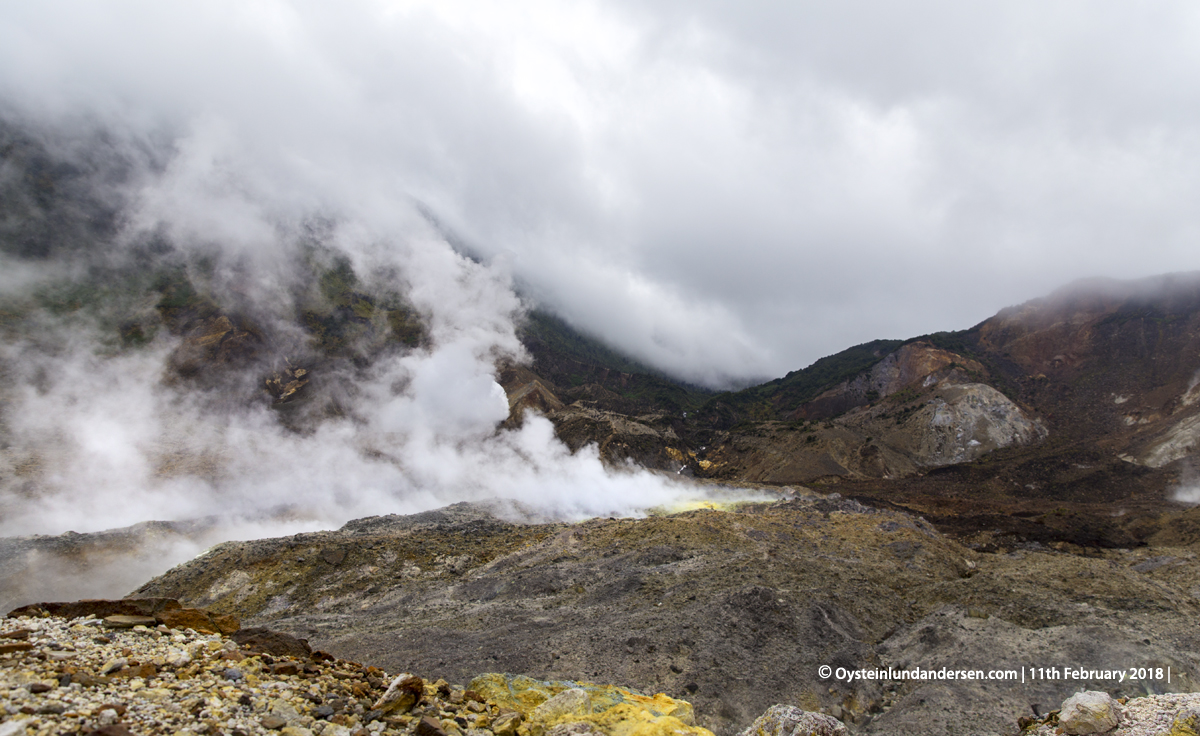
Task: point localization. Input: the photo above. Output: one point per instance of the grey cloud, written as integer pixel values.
(727, 190)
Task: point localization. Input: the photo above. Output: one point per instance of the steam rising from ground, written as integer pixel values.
(1188, 490)
(101, 437)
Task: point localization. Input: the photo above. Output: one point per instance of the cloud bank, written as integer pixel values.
(727, 191)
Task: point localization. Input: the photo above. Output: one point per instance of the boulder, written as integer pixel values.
(275, 643)
(404, 692)
(788, 720)
(198, 620)
(99, 607)
(1088, 712)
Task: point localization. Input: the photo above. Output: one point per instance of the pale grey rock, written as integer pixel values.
(579, 728)
(284, 710)
(575, 701)
(1088, 712)
(788, 720)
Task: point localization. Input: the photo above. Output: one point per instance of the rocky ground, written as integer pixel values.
(125, 674)
(734, 610)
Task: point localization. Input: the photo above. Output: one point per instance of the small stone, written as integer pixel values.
(506, 723)
(232, 674)
(112, 729)
(284, 710)
(579, 728)
(16, 634)
(128, 622)
(1088, 712)
(113, 665)
(285, 668)
(272, 722)
(324, 711)
(430, 726)
(16, 646)
(144, 671)
(40, 687)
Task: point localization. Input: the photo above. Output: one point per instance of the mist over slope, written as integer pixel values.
(180, 343)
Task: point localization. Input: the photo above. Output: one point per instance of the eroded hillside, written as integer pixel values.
(732, 610)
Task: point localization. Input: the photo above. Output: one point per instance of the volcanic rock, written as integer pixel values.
(696, 604)
(788, 720)
(1088, 712)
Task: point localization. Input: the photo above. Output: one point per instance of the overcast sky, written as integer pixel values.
(727, 190)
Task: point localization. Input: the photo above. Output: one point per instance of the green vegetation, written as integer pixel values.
(553, 335)
(572, 360)
(775, 399)
(345, 320)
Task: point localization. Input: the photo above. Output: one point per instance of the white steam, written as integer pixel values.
(1188, 490)
(100, 438)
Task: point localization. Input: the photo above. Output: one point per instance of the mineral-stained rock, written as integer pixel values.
(402, 694)
(1187, 723)
(613, 710)
(198, 619)
(1088, 712)
(788, 720)
(506, 723)
(578, 728)
(524, 694)
(575, 701)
